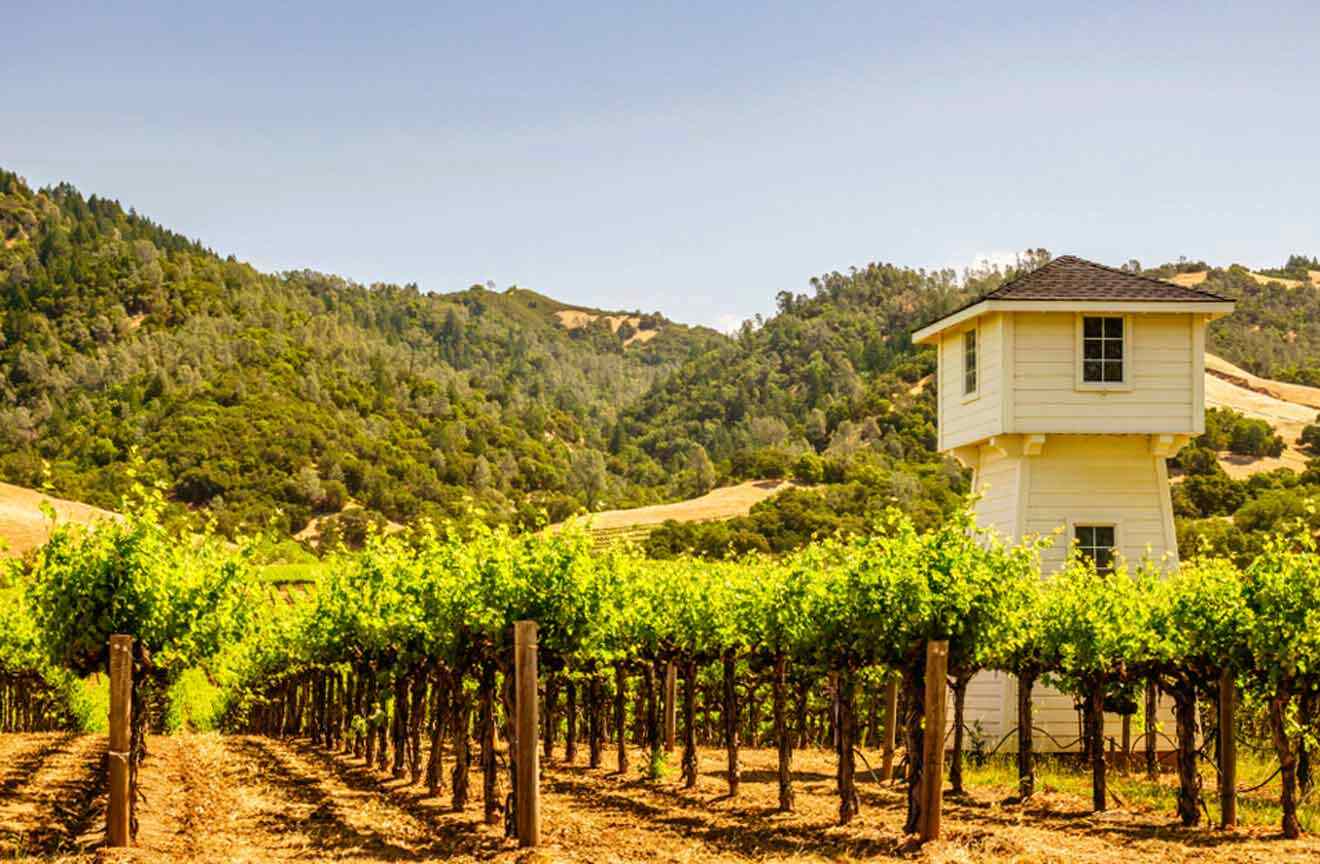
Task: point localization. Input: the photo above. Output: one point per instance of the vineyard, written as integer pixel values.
(689, 710)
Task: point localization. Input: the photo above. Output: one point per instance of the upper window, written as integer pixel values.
(1096, 544)
(1102, 350)
(969, 362)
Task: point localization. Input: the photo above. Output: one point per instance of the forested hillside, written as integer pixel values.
(1275, 330)
(127, 349)
(245, 393)
(829, 389)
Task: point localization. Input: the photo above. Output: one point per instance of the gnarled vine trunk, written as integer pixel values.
(846, 691)
(690, 724)
(595, 721)
(367, 744)
(490, 778)
(783, 738)
(959, 688)
(1287, 765)
(1026, 757)
(621, 715)
(914, 709)
(1152, 699)
(399, 727)
(460, 735)
(571, 726)
(731, 721)
(655, 673)
(1189, 782)
(416, 714)
(435, 760)
(352, 682)
(800, 710)
(510, 728)
(550, 722)
(1095, 707)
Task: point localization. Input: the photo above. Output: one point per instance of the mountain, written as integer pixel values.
(128, 349)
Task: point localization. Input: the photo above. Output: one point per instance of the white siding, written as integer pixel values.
(996, 480)
(1162, 373)
(992, 702)
(964, 420)
(1098, 479)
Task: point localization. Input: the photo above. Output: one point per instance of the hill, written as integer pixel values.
(1288, 408)
(256, 396)
(23, 525)
(727, 502)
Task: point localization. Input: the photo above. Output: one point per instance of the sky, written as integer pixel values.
(691, 158)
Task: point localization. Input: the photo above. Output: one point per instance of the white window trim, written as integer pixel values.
(1129, 342)
(1098, 521)
(962, 362)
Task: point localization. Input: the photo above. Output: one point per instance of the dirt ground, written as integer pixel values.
(51, 795)
(242, 799)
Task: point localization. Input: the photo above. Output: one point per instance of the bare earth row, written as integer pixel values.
(249, 799)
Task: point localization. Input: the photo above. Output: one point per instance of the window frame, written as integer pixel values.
(975, 332)
(1098, 522)
(1079, 353)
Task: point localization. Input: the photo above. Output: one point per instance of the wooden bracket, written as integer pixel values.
(1165, 446)
(1033, 445)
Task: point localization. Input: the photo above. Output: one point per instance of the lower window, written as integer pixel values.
(1096, 543)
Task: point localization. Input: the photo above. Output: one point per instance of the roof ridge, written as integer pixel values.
(1074, 259)
(1142, 276)
(1070, 279)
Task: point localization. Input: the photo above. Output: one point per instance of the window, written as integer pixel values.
(969, 363)
(1102, 350)
(1096, 543)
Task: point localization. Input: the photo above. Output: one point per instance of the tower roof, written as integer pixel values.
(1084, 285)
(1071, 278)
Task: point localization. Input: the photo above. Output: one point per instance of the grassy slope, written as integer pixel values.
(22, 524)
(717, 505)
(1288, 408)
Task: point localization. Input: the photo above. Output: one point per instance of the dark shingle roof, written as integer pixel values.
(1069, 278)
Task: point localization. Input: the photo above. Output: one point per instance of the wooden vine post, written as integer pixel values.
(891, 728)
(528, 804)
(932, 766)
(1227, 751)
(121, 723)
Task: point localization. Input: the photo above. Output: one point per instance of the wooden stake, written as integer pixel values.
(1227, 751)
(529, 768)
(121, 723)
(891, 729)
(932, 767)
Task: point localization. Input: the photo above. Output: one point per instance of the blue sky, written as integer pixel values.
(694, 158)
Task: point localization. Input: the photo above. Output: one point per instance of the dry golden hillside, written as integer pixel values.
(574, 319)
(1187, 280)
(1286, 407)
(22, 524)
(718, 504)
